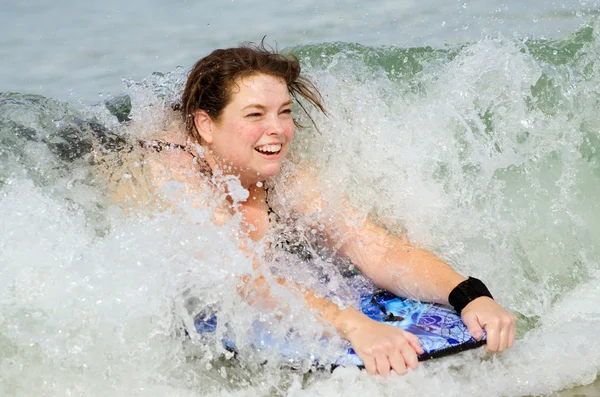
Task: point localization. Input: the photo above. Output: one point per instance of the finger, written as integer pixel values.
(493, 339)
(383, 365)
(397, 363)
(369, 363)
(503, 340)
(414, 342)
(472, 322)
(512, 332)
(410, 357)
(508, 325)
(507, 334)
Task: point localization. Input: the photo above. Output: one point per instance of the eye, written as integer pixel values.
(286, 111)
(254, 115)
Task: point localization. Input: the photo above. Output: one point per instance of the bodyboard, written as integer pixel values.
(440, 329)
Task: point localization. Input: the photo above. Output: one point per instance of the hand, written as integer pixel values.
(499, 323)
(380, 346)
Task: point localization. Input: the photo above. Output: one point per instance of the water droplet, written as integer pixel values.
(464, 5)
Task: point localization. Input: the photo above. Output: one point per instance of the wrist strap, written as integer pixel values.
(466, 292)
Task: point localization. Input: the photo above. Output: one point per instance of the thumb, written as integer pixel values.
(472, 322)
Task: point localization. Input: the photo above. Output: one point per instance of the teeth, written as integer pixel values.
(269, 148)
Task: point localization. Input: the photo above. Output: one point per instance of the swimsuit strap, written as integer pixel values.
(159, 145)
(269, 209)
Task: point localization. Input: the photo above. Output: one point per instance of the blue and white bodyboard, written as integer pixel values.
(440, 329)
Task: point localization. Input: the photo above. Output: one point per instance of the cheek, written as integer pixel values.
(251, 134)
(243, 137)
(290, 131)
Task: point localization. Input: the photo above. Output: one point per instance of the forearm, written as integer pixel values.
(416, 273)
(393, 264)
(258, 291)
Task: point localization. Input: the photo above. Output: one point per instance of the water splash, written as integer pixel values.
(486, 153)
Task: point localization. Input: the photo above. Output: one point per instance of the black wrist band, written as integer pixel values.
(466, 292)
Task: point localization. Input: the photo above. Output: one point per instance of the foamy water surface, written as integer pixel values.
(484, 152)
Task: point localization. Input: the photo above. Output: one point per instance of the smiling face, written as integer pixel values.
(253, 133)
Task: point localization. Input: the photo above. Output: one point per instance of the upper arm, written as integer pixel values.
(349, 230)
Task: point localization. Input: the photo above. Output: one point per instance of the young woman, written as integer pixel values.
(237, 110)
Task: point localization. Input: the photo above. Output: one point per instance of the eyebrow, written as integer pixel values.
(259, 106)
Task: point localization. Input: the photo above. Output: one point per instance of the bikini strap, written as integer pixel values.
(159, 145)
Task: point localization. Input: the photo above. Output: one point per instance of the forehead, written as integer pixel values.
(263, 88)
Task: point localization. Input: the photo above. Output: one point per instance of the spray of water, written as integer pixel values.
(486, 154)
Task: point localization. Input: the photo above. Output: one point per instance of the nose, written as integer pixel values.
(277, 126)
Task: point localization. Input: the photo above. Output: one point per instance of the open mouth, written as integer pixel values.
(269, 150)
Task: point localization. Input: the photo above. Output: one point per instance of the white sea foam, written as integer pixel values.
(510, 201)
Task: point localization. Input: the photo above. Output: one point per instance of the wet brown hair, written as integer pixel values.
(209, 84)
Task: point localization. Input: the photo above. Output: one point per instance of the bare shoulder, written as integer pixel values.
(172, 164)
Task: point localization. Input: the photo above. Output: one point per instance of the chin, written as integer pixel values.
(269, 172)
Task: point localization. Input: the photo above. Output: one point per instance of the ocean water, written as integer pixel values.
(472, 127)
